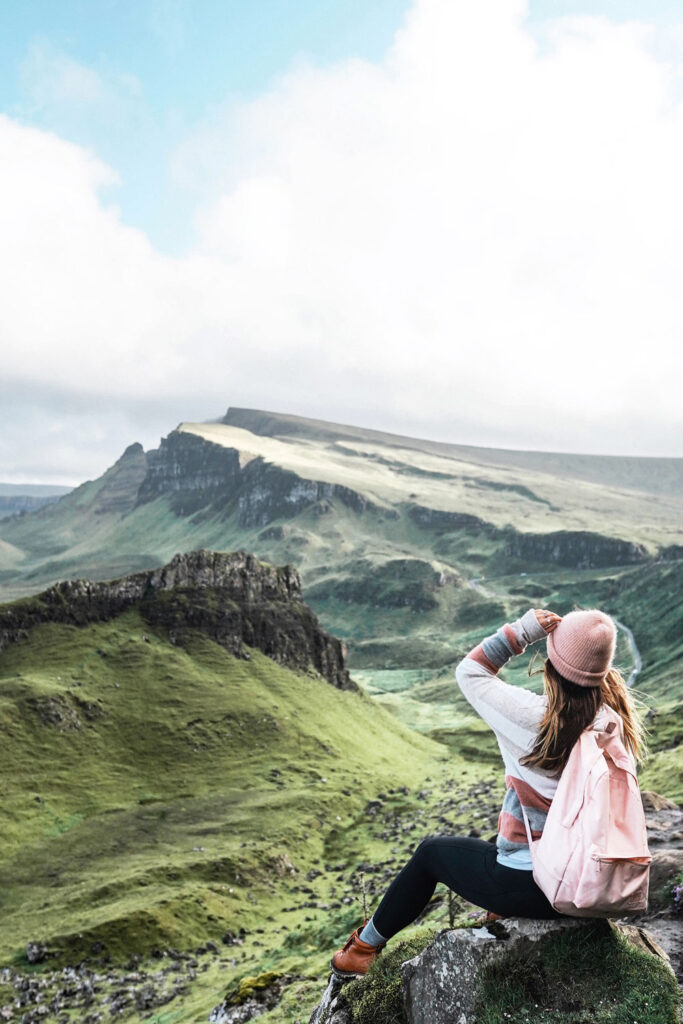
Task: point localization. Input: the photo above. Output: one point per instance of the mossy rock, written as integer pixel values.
(377, 998)
(249, 986)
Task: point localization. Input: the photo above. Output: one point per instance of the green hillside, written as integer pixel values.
(160, 785)
(184, 814)
(162, 794)
(407, 548)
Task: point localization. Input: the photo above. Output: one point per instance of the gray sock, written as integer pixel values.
(370, 935)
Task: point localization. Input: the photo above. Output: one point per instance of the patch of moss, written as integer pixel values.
(591, 974)
(376, 998)
(241, 989)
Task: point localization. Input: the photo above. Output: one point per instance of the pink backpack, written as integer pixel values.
(592, 859)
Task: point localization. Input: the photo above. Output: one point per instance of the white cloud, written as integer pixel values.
(54, 82)
(478, 239)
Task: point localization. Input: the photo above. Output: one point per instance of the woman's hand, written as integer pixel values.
(547, 620)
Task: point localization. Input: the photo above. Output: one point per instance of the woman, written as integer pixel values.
(535, 734)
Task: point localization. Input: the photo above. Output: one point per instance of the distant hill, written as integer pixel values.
(652, 475)
(407, 548)
(16, 499)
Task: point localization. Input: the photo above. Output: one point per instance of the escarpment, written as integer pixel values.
(235, 599)
(194, 474)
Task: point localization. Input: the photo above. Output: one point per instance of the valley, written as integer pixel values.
(227, 697)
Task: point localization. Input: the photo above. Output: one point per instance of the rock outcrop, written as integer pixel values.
(195, 474)
(441, 984)
(233, 598)
(332, 1009)
(191, 472)
(570, 549)
(447, 982)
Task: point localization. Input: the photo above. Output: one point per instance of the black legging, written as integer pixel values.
(468, 867)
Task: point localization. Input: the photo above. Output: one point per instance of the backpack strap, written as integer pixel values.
(526, 825)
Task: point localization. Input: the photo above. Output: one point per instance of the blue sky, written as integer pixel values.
(440, 218)
(167, 64)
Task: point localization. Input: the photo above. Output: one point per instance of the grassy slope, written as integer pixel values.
(166, 818)
(134, 827)
(492, 491)
(653, 475)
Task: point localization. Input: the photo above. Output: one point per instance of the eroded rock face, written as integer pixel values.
(191, 471)
(233, 598)
(195, 474)
(576, 549)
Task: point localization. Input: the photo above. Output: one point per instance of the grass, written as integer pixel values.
(160, 796)
(152, 790)
(152, 821)
(573, 978)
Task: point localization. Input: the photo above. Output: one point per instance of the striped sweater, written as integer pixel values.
(514, 714)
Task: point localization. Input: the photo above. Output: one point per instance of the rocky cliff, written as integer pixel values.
(234, 598)
(518, 549)
(196, 474)
(192, 472)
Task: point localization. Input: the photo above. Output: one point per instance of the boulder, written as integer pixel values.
(666, 864)
(441, 983)
(656, 802)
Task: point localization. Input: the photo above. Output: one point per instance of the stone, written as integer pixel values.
(641, 938)
(439, 985)
(665, 865)
(655, 802)
(329, 1010)
(36, 952)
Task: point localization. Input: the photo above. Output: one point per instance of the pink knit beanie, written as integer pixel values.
(582, 646)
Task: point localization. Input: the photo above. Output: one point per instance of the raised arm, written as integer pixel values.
(512, 712)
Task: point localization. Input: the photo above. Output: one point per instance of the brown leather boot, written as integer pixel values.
(355, 957)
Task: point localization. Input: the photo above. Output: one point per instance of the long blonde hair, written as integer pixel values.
(572, 708)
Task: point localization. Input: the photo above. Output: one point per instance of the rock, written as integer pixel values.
(237, 1014)
(328, 1010)
(234, 598)
(655, 802)
(665, 865)
(440, 984)
(641, 938)
(36, 952)
(282, 865)
(253, 996)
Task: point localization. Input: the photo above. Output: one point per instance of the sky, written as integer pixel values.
(444, 219)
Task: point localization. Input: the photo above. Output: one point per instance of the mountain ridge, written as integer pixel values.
(406, 554)
(232, 597)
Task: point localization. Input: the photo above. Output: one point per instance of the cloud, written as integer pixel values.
(477, 239)
(53, 82)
